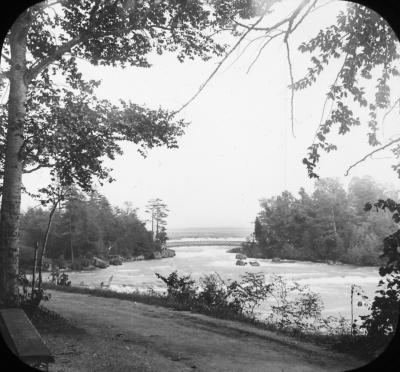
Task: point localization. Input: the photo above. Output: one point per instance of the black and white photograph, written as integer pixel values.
(200, 185)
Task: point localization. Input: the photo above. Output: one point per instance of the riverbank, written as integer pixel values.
(356, 346)
(111, 334)
(98, 263)
(332, 282)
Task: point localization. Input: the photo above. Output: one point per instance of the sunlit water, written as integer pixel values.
(332, 282)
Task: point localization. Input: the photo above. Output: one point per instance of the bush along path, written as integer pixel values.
(294, 309)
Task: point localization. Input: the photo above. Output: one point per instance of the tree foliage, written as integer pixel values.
(330, 224)
(383, 319)
(368, 51)
(72, 131)
(63, 122)
(391, 243)
(158, 212)
(84, 227)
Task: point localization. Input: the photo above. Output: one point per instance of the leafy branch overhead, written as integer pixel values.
(118, 32)
(361, 42)
(72, 131)
(368, 50)
(62, 123)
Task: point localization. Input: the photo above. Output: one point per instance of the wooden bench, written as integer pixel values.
(23, 339)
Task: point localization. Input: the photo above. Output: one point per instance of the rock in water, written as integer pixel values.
(241, 263)
(157, 255)
(115, 261)
(240, 256)
(100, 263)
(254, 263)
(165, 253)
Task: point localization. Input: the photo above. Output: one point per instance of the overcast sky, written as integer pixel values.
(238, 147)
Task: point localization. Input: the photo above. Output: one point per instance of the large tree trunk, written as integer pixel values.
(11, 198)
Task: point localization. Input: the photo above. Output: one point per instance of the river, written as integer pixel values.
(332, 282)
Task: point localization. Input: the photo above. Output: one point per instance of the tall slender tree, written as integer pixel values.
(158, 212)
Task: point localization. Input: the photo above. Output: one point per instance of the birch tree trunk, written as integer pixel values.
(11, 198)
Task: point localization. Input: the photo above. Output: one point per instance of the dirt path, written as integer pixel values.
(127, 336)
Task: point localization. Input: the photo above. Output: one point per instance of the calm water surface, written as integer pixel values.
(332, 282)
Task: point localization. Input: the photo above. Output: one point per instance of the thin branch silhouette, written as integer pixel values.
(220, 64)
(370, 154)
(291, 85)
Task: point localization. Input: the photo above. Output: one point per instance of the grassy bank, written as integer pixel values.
(355, 345)
(47, 321)
(150, 298)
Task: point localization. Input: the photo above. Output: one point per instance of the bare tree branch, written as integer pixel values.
(244, 50)
(291, 85)
(220, 64)
(37, 168)
(397, 102)
(308, 11)
(267, 29)
(293, 17)
(270, 38)
(371, 153)
(322, 5)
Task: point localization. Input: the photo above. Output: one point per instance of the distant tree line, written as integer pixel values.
(328, 224)
(84, 226)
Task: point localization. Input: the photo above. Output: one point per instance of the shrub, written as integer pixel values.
(251, 291)
(296, 306)
(383, 319)
(337, 326)
(182, 289)
(232, 298)
(63, 281)
(217, 297)
(27, 298)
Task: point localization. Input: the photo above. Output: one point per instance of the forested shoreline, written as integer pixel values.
(330, 224)
(84, 227)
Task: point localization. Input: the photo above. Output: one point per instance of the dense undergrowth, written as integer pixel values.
(293, 309)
